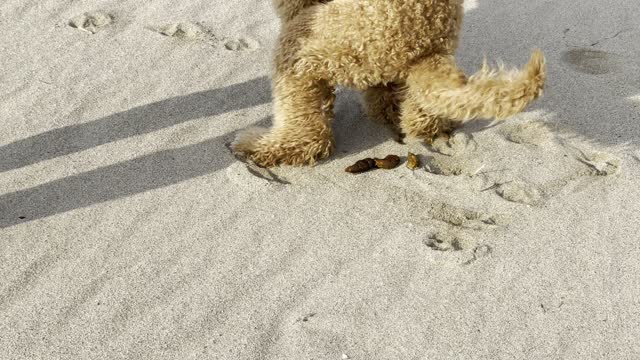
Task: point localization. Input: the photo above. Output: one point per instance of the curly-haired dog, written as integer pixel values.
(400, 52)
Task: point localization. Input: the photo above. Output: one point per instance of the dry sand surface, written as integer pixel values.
(129, 231)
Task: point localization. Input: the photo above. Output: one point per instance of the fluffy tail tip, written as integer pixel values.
(536, 70)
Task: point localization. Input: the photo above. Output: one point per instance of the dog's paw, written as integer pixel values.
(268, 150)
(247, 140)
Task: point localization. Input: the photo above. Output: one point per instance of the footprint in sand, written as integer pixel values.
(188, 31)
(456, 144)
(91, 22)
(241, 44)
(453, 156)
(466, 218)
(596, 164)
(479, 252)
(453, 242)
(452, 165)
(520, 192)
(460, 228)
(532, 133)
(600, 163)
(446, 241)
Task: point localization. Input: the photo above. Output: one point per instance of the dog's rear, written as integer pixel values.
(368, 43)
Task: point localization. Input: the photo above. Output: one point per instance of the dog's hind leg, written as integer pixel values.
(301, 133)
(438, 93)
(382, 105)
(416, 123)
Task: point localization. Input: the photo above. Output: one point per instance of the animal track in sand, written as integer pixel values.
(455, 144)
(465, 218)
(520, 192)
(600, 163)
(533, 133)
(189, 31)
(452, 165)
(453, 156)
(572, 176)
(534, 165)
(91, 22)
(597, 165)
(460, 225)
(241, 44)
(562, 164)
(306, 317)
(479, 252)
(446, 241)
(186, 31)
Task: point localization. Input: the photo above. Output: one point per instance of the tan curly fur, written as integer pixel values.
(399, 52)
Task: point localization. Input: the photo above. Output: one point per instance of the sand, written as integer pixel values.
(129, 231)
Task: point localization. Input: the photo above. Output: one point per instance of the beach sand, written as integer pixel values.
(129, 231)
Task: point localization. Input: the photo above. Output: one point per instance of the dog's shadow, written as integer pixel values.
(157, 170)
(354, 132)
(127, 178)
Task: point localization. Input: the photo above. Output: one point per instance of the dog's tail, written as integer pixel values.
(489, 94)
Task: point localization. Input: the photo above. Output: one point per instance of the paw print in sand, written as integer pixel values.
(190, 31)
(91, 22)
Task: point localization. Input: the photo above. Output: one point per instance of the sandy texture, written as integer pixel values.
(128, 230)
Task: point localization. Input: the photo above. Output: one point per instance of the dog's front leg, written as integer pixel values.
(301, 133)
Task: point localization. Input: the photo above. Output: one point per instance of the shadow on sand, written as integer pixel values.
(156, 170)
